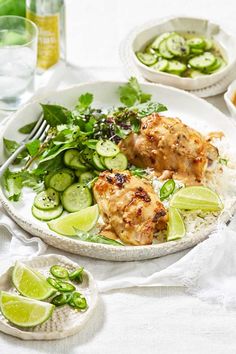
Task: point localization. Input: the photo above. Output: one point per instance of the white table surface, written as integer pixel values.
(151, 320)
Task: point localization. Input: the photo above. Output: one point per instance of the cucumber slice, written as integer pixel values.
(76, 197)
(97, 162)
(208, 43)
(86, 177)
(177, 45)
(176, 67)
(155, 44)
(146, 59)
(47, 178)
(202, 61)
(118, 162)
(72, 160)
(165, 53)
(161, 65)
(195, 73)
(196, 43)
(47, 215)
(61, 180)
(216, 66)
(197, 51)
(107, 148)
(150, 50)
(47, 199)
(87, 155)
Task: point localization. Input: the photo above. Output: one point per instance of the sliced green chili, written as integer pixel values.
(167, 189)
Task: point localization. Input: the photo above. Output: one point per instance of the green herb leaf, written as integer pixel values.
(13, 185)
(33, 147)
(56, 115)
(15, 181)
(135, 124)
(148, 108)
(84, 102)
(91, 143)
(131, 93)
(85, 236)
(139, 172)
(11, 146)
(223, 161)
(27, 129)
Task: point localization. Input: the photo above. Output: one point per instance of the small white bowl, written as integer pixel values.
(228, 98)
(144, 35)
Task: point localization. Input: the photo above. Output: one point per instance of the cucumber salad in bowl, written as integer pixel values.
(124, 175)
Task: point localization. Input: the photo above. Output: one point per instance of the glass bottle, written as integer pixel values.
(49, 16)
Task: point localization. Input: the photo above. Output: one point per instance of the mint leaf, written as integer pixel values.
(84, 102)
(27, 129)
(131, 93)
(33, 147)
(56, 115)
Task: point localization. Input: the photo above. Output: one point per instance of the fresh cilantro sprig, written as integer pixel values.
(131, 93)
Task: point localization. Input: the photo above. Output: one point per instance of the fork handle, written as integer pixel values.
(11, 159)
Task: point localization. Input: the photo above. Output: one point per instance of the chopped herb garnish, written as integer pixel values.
(223, 161)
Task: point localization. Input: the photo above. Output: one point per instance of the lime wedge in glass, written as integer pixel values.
(24, 312)
(196, 198)
(175, 228)
(83, 220)
(31, 283)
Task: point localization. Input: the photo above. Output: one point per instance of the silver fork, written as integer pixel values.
(38, 132)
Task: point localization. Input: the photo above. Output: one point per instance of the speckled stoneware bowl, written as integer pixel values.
(197, 113)
(144, 34)
(65, 321)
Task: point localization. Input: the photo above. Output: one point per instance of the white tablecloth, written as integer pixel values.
(151, 320)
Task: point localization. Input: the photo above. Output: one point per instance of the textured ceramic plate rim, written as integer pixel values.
(27, 335)
(109, 252)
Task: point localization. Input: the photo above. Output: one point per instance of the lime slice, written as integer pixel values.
(83, 220)
(175, 228)
(196, 198)
(31, 283)
(24, 312)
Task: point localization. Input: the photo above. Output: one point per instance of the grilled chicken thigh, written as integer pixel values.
(130, 207)
(167, 144)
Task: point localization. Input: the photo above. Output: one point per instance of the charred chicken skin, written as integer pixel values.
(130, 207)
(167, 144)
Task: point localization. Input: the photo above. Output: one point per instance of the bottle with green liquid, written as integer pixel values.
(49, 16)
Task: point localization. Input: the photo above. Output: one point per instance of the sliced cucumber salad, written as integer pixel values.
(69, 188)
(183, 55)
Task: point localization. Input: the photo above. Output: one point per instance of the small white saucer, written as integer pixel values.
(65, 321)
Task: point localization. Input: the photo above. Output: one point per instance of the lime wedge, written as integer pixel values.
(24, 312)
(175, 228)
(196, 198)
(83, 220)
(31, 283)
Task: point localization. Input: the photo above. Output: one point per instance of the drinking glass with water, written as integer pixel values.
(18, 58)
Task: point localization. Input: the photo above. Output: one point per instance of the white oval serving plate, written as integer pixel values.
(146, 33)
(65, 321)
(197, 113)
